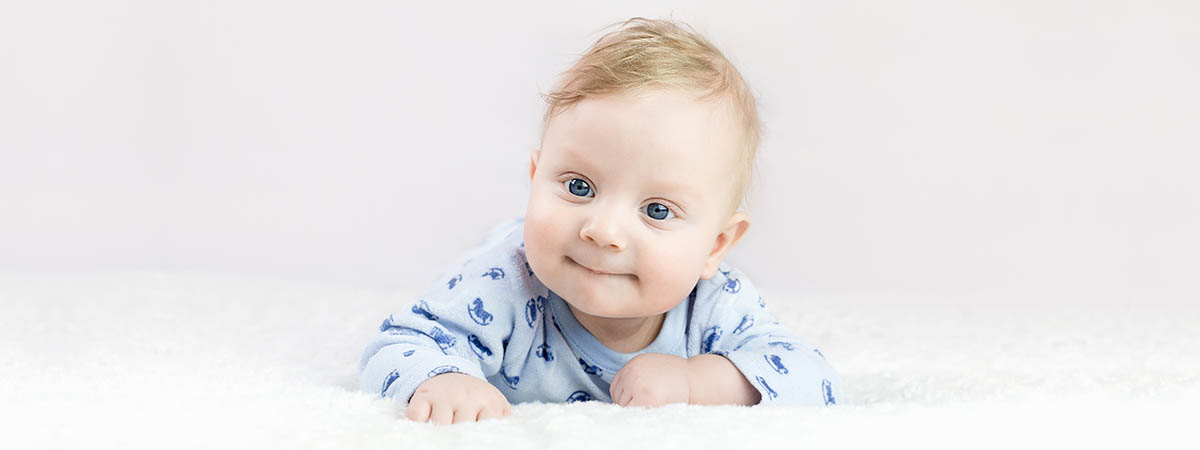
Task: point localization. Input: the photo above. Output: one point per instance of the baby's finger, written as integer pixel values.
(645, 401)
(629, 400)
(464, 414)
(615, 391)
(624, 397)
(490, 413)
(418, 410)
(443, 414)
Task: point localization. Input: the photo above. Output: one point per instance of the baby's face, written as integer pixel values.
(630, 201)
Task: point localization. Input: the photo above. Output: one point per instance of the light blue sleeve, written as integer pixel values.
(784, 369)
(462, 324)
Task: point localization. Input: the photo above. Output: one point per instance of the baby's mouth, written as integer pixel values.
(597, 272)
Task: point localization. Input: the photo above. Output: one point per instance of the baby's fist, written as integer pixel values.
(456, 398)
(651, 379)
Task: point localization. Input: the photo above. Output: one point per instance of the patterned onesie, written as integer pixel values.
(491, 318)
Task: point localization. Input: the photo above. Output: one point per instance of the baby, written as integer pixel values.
(612, 286)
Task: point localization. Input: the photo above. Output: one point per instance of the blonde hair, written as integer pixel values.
(644, 53)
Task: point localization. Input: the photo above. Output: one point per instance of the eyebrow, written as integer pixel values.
(681, 194)
(576, 159)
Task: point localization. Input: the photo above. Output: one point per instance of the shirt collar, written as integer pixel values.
(671, 337)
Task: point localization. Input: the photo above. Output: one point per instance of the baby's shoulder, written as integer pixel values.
(495, 271)
(728, 288)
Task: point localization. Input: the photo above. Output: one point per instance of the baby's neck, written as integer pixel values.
(621, 335)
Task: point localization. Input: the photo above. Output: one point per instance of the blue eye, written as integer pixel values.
(579, 187)
(658, 211)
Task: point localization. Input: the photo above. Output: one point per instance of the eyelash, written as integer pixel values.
(592, 190)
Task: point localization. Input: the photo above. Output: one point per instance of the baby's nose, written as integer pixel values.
(604, 232)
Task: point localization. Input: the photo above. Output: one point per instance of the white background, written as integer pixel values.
(1035, 149)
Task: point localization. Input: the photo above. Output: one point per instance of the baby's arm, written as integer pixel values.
(745, 357)
(434, 355)
(771, 358)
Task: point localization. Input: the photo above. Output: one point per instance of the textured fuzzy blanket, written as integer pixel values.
(150, 360)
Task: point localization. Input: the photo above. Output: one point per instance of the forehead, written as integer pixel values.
(669, 136)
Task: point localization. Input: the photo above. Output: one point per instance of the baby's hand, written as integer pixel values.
(456, 398)
(651, 379)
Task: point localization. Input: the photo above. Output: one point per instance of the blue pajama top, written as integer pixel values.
(492, 318)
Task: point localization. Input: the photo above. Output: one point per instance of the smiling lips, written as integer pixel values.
(589, 269)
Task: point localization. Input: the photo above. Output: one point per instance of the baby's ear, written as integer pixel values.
(734, 229)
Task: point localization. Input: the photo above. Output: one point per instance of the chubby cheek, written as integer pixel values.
(539, 238)
(671, 275)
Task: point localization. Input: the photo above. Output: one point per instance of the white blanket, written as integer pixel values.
(150, 360)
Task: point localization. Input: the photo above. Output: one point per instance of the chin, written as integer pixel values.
(607, 314)
(594, 305)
